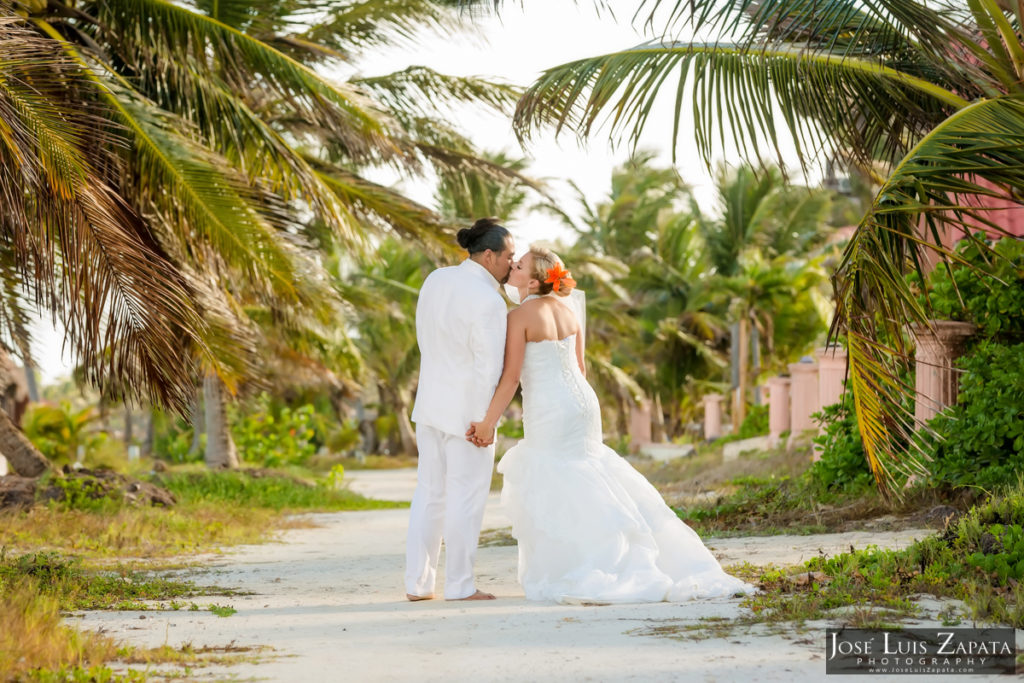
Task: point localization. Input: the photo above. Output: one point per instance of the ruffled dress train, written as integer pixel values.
(591, 528)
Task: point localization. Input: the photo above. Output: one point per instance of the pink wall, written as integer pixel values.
(1008, 215)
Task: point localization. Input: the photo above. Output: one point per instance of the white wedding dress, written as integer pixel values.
(590, 527)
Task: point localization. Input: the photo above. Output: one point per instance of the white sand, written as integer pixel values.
(330, 601)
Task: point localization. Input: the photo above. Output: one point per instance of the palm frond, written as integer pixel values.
(923, 202)
(854, 26)
(355, 26)
(422, 91)
(804, 217)
(249, 142)
(239, 14)
(196, 192)
(374, 204)
(670, 329)
(609, 374)
(172, 33)
(743, 94)
(81, 252)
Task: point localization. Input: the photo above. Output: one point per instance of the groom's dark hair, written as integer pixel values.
(485, 234)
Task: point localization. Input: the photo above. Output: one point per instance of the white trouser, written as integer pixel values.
(453, 479)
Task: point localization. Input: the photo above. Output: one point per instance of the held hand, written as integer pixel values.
(480, 434)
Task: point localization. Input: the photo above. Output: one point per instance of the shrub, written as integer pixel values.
(982, 436)
(755, 423)
(176, 447)
(995, 305)
(82, 493)
(58, 430)
(843, 465)
(273, 440)
(343, 437)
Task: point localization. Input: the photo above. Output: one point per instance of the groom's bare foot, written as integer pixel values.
(417, 598)
(479, 595)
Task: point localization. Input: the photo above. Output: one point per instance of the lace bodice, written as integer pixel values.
(559, 407)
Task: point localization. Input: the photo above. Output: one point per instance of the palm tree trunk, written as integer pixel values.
(658, 421)
(129, 423)
(30, 380)
(147, 443)
(755, 351)
(197, 421)
(740, 399)
(405, 430)
(623, 416)
(220, 447)
(23, 457)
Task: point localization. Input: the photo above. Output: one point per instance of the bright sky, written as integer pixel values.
(528, 37)
(516, 47)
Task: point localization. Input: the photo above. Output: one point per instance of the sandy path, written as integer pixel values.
(329, 600)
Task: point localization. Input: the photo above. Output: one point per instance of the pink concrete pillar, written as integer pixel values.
(640, 424)
(803, 395)
(713, 415)
(831, 373)
(936, 381)
(778, 408)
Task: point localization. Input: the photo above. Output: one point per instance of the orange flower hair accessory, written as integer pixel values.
(558, 276)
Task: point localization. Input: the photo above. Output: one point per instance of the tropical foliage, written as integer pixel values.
(232, 129)
(664, 281)
(984, 431)
(926, 95)
(59, 431)
(386, 291)
(167, 183)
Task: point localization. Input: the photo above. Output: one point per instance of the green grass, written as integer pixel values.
(278, 493)
(76, 587)
(772, 492)
(978, 560)
(79, 674)
(777, 504)
(222, 610)
(324, 463)
(215, 509)
(55, 557)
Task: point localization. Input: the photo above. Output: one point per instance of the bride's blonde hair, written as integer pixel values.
(543, 261)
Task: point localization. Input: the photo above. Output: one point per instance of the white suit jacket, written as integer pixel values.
(460, 329)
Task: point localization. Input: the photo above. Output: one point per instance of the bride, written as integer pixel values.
(590, 527)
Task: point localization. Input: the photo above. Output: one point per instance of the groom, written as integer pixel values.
(460, 329)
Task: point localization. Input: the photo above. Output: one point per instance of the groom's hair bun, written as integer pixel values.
(486, 233)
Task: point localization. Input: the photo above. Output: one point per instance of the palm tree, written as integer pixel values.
(761, 215)
(158, 171)
(70, 243)
(771, 301)
(684, 336)
(464, 198)
(387, 290)
(928, 95)
(761, 211)
(638, 256)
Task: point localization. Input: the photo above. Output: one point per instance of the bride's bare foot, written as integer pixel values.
(417, 598)
(479, 595)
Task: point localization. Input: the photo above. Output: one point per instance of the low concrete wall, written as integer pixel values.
(666, 451)
(734, 449)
